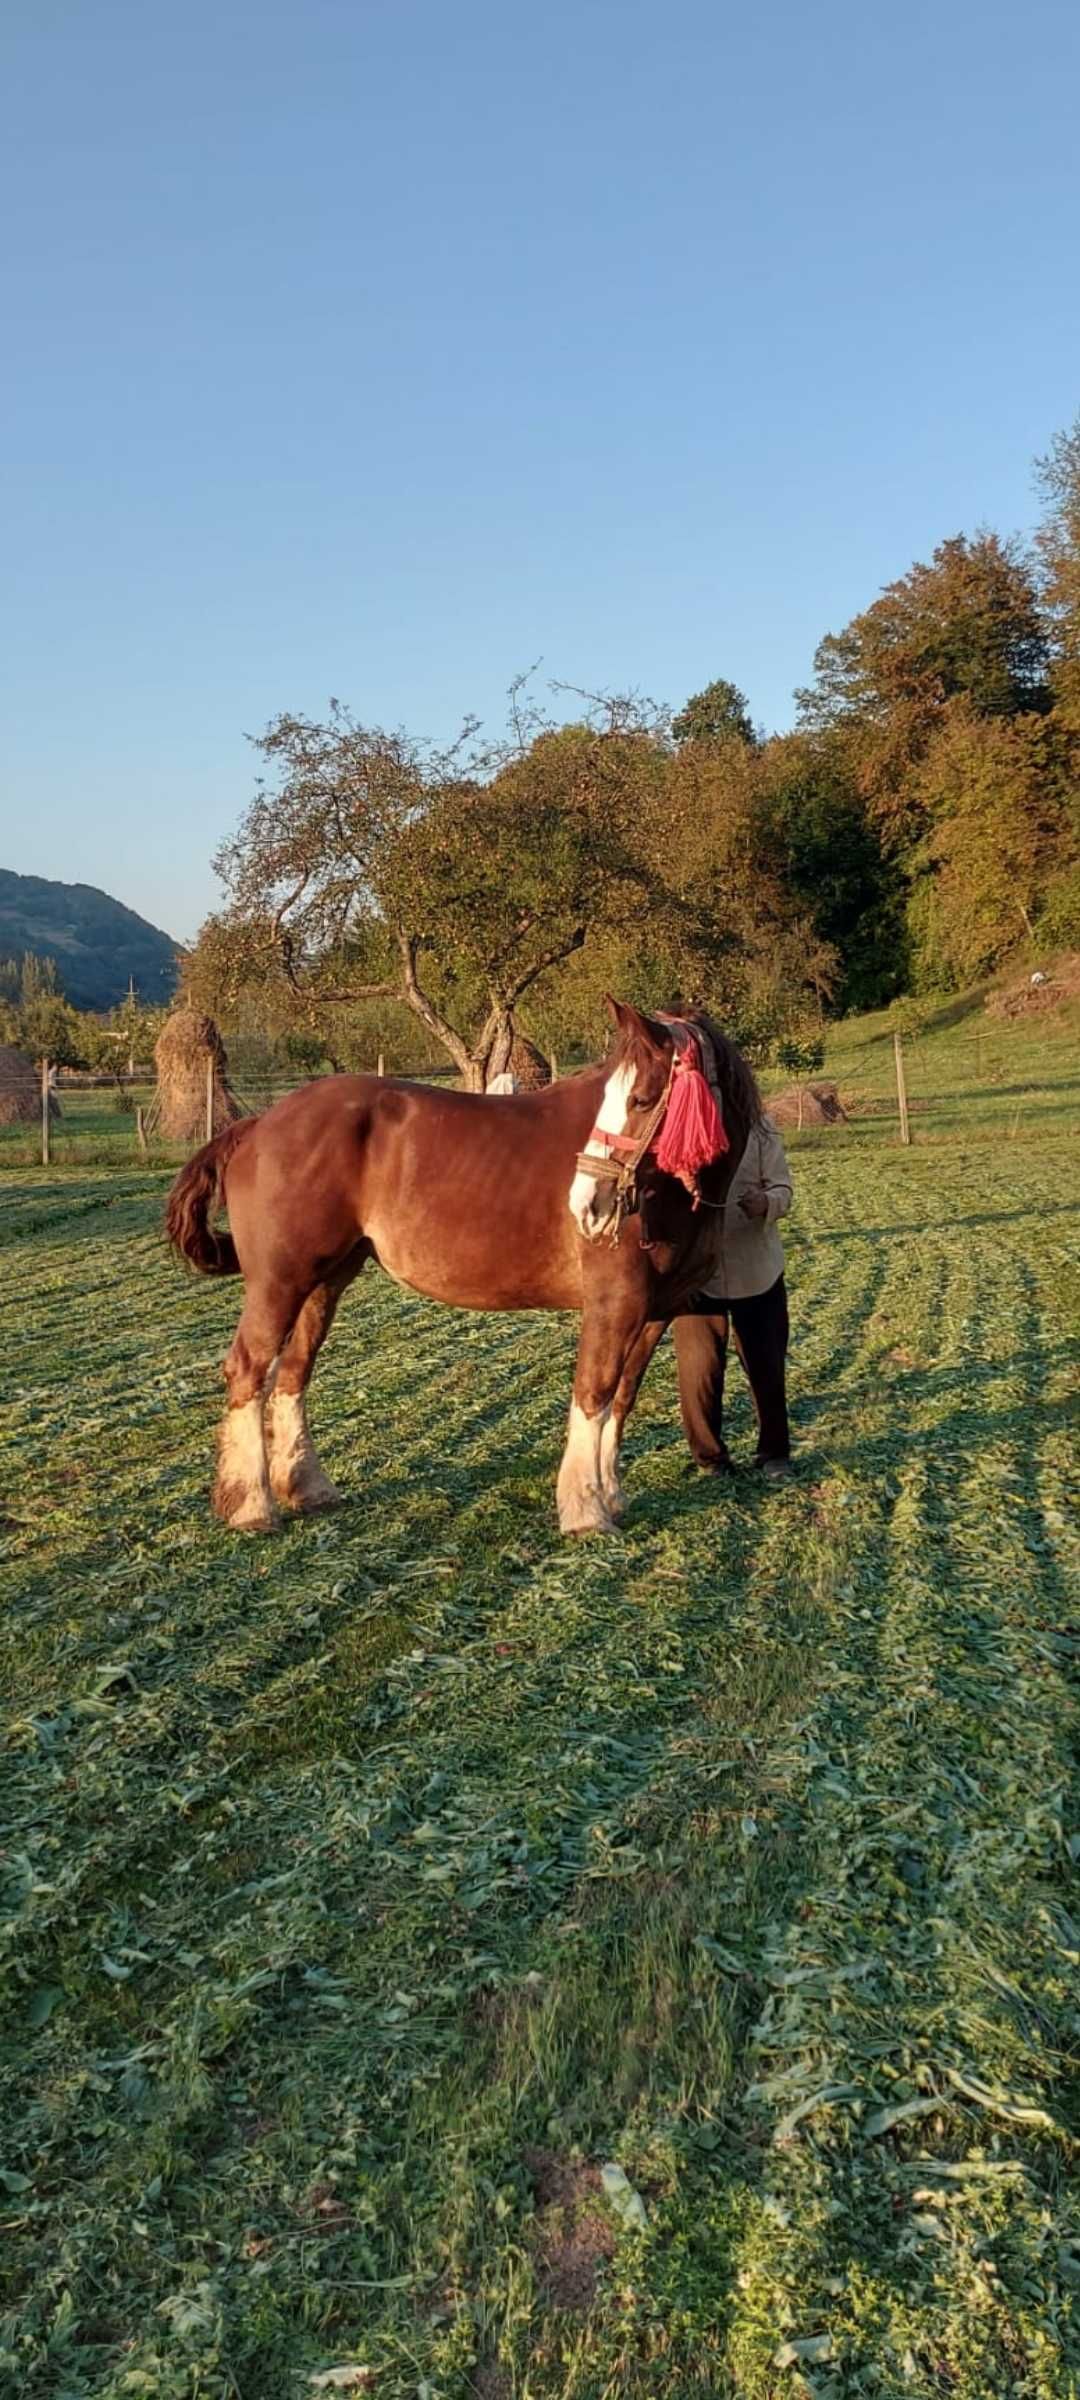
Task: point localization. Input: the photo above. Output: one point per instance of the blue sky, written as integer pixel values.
(377, 348)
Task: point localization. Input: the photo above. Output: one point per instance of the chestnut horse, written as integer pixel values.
(480, 1202)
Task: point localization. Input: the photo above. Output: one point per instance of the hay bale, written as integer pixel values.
(20, 1089)
(526, 1070)
(808, 1104)
(186, 1046)
(528, 1066)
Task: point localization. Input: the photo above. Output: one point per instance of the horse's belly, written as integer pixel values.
(479, 1273)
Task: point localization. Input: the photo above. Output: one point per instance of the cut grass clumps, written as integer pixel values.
(371, 1894)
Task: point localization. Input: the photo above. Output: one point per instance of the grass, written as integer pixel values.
(368, 1891)
(91, 1130)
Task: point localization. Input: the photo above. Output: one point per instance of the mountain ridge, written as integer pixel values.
(98, 944)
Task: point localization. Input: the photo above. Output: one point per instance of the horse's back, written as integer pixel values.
(461, 1197)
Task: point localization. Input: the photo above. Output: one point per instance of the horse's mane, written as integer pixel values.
(738, 1082)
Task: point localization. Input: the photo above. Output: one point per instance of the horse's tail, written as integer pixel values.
(196, 1196)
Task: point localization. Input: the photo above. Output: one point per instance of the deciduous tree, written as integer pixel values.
(1058, 546)
(995, 801)
(368, 868)
(718, 714)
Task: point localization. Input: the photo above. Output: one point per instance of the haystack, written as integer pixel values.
(526, 1070)
(528, 1066)
(20, 1089)
(807, 1104)
(187, 1048)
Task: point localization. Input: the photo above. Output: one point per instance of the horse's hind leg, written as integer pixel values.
(242, 1495)
(297, 1479)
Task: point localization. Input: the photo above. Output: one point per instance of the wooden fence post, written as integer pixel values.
(901, 1092)
(140, 1130)
(45, 1112)
(210, 1097)
(379, 1066)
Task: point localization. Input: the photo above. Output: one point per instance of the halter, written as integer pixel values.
(621, 1157)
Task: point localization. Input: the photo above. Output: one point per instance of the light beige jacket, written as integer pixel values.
(749, 1253)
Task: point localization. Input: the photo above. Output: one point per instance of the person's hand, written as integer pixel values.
(754, 1202)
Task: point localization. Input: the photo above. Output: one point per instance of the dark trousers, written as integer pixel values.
(760, 1327)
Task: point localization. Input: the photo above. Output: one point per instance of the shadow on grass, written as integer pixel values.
(1039, 1210)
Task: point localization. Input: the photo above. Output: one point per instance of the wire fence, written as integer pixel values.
(988, 1076)
(57, 1117)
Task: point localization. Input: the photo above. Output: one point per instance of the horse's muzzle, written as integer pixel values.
(591, 1206)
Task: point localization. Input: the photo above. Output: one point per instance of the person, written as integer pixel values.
(746, 1296)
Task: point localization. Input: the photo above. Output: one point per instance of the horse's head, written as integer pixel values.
(639, 1074)
(658, 1115)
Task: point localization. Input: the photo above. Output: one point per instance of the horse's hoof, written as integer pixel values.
(596, 1521)
(312, 1498)
(251, 1520)
(245, 1512)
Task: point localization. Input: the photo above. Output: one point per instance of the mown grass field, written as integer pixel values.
(369, 1891)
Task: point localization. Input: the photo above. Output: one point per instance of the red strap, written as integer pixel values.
(614, 1144)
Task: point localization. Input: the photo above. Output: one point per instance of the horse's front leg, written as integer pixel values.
(588, 1487)
(611, 1437)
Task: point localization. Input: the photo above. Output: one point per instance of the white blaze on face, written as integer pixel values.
(614, 1109)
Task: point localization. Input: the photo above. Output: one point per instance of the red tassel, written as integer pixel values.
(692, 1133)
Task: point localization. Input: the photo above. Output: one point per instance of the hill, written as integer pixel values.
(99, 945)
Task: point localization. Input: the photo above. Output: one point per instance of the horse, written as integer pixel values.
(549, 1199)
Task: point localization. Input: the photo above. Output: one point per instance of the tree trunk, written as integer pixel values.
(417, 999)
(492, 1052)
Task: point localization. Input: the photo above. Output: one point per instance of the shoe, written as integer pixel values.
(775, 1470)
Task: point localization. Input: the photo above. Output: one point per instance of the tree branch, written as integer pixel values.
(316, 996)
(425, 1009)
(356, 991)
(290, 901)
(548, 958)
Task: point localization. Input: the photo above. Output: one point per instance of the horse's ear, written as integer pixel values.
(634, 1026)
(624, 1018)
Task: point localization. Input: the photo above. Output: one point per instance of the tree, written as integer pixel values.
(967, 626)
(45, 1025)
(827, 847)
(718, 714)
(49, 1028)
(1058, 545)
(373, 869)
(115, 1045)
(742, 941)
(800, 1054)
(995, 797)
